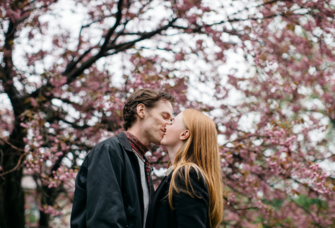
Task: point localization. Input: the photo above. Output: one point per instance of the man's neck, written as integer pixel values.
(137, 132)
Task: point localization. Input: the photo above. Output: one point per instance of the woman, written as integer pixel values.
(190, 195)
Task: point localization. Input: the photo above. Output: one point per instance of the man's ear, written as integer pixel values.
(140, 110)
(185, 135)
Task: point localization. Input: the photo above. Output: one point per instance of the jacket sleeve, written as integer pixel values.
(192, 211)
(104, 201)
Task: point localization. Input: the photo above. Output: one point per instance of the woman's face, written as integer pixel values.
(174, 131)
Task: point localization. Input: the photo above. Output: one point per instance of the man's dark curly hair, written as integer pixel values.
(147, 97)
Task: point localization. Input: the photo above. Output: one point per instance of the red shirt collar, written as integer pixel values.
(136, 144)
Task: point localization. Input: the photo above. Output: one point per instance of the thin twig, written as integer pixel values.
(14, 147)
(17, 166)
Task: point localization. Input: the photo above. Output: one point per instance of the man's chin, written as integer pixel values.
(161, 142)
(157, 141)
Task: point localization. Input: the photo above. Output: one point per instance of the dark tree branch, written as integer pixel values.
(39, 8)
(12, 92)
(16, 167)
(120, 33)
(72, 74)
(111, 31)
(28, 3)
(121, 47)
(259, 5)
(76, 126)
(161, 49)
(199, 27)
(117, 48)
(73, 63)
(88, 25)
(258, 18)
(69, 69)
(11, 145)
(139, 12)
(2, 28)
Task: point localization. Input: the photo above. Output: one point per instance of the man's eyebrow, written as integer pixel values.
(167, 113)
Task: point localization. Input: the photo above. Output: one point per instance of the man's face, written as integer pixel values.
(155, 121)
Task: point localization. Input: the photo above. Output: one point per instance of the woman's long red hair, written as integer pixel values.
(201, 152)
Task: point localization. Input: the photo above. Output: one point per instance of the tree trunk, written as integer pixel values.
(44, 220)
(12, 201)
(11, 192)
(48, 197)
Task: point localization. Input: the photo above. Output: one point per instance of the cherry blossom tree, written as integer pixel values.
(274, 111)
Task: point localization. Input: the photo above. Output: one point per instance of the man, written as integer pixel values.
(113, 186)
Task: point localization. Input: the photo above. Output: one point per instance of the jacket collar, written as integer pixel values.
(126, 144)
(162, 189)
(136, 144)
(124, 141)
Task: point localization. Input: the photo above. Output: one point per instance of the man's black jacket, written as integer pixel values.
(188, 212)
(108, 189)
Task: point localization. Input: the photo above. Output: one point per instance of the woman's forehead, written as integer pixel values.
(179, 116)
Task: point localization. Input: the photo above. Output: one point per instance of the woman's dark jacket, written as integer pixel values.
(108, 191)
(188, 212)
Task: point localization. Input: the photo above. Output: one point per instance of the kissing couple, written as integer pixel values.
(114, 188)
